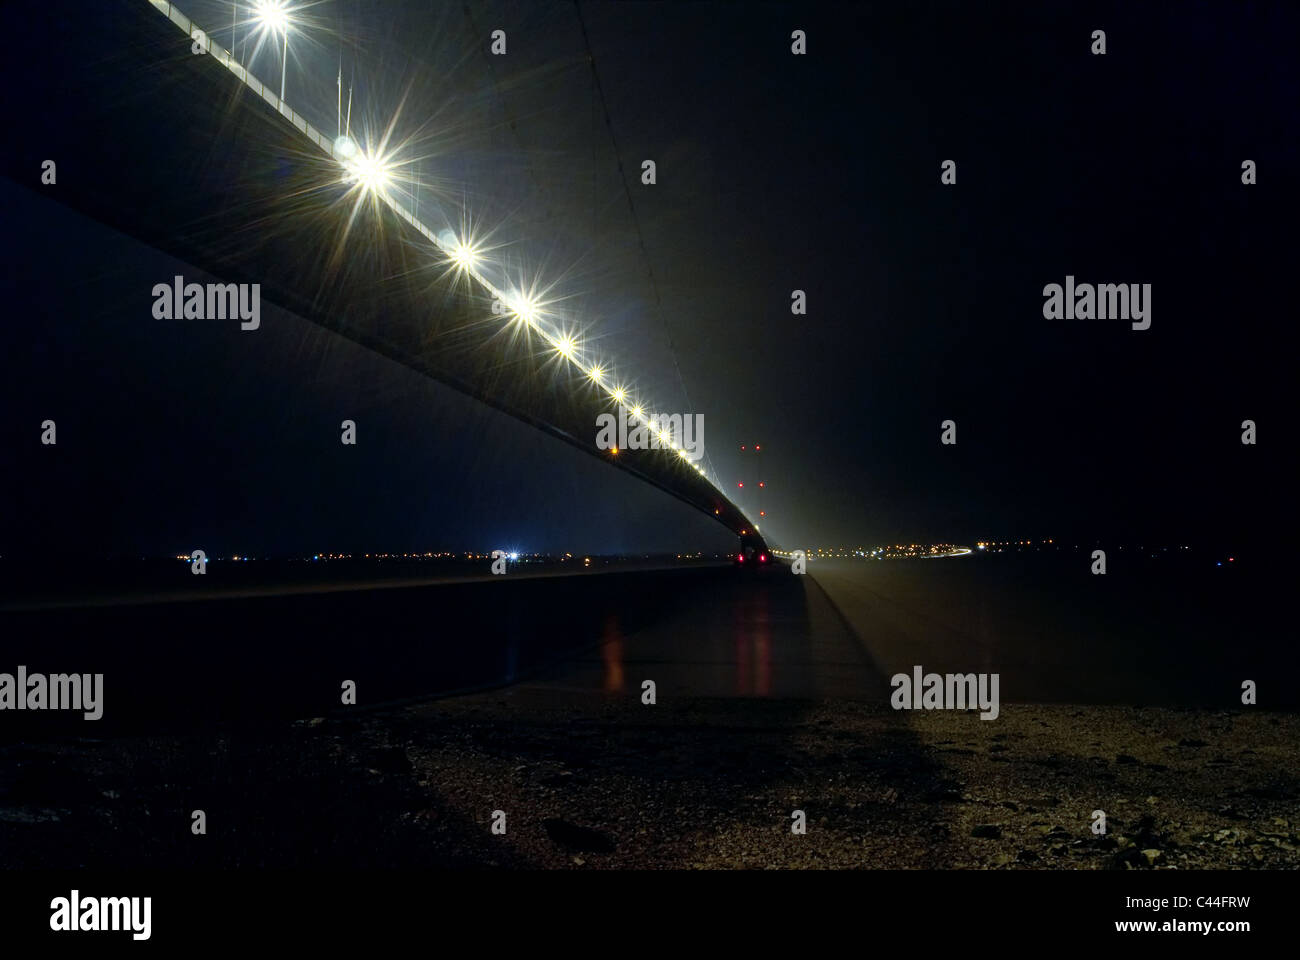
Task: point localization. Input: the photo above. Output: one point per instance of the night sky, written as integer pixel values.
(775, 172)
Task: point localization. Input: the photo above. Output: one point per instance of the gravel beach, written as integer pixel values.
(607, 782)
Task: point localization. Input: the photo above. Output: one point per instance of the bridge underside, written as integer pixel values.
(170, 148)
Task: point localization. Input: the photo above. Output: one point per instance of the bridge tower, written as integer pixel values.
(753, 546)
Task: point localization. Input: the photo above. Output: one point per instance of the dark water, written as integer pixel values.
(1154, 630)
(244, 659)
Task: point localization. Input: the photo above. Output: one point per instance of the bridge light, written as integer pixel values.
(619, 394)
(273, 15)
(465, 256)
(377, 172)
(372, 173)
(525, 308)
(636, 412)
